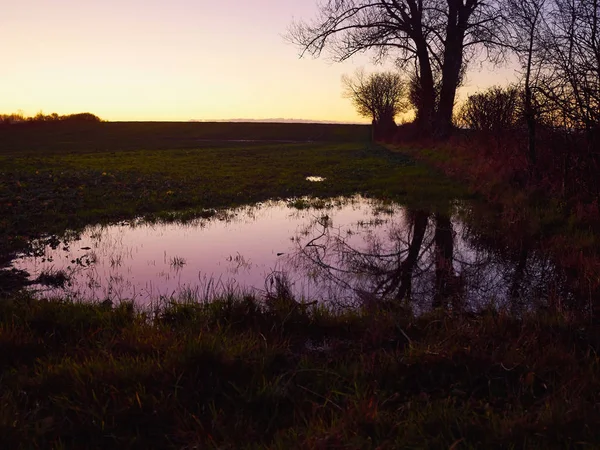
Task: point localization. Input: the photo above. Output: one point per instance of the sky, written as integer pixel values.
(174, 60)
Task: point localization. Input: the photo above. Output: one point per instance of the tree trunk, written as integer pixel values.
(529, 112)
(426, 108)
(458, 18)
(384, 127)
(530, 120)
(450, 79)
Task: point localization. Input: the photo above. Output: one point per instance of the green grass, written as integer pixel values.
(234, 374)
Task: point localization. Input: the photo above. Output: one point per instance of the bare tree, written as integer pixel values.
(437, 37)
(378, 96)
(572, 64)
(560, 58)
(572, 86)
(527, 19)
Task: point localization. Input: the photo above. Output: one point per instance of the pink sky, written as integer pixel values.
(172, 60)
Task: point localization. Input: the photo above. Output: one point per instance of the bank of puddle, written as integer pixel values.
(343, 252)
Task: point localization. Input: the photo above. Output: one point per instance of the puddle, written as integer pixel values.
(315, 179)
(343, 251)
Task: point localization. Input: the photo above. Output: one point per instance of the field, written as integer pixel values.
(56, 177)
(59, 137)
(239, 373)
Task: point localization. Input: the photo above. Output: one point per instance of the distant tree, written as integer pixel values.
(378, 96)
(10, 119)
(558, 45)
(571, 63)
(82, 117)
(40, 117)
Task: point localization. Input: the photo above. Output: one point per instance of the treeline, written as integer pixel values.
(557, 43)
(433, 42)
(546, 127)
(548, 153)
(20, 118)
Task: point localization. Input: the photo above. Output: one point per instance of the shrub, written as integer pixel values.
(495, 110)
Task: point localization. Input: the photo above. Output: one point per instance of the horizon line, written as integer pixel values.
(280, 120)
(231, 120)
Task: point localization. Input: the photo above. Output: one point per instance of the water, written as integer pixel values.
(345, 251)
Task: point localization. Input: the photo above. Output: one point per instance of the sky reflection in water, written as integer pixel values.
(353, 250)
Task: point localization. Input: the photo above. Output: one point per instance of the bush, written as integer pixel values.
(495, 110)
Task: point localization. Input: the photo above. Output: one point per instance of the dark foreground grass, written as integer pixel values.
(49, 191)
(233, 374)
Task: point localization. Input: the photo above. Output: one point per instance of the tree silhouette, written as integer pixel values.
(378, 96)
(437, 37)
(526, 17)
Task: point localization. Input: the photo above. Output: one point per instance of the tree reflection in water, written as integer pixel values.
(424, 260)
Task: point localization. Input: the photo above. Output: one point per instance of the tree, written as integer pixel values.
(495, 110)
(379, 96)
(526, 18)
(560, 58)
(572, 61)
(437, 37)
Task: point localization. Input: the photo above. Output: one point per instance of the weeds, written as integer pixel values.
(177, 262)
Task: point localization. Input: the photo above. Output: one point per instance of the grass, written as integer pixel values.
(44, 190)
(238, 374)
(177, 262)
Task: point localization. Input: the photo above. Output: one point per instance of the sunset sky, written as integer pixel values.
(173, 60)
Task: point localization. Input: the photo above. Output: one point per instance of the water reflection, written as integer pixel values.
(343, 251)
(426, 260)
